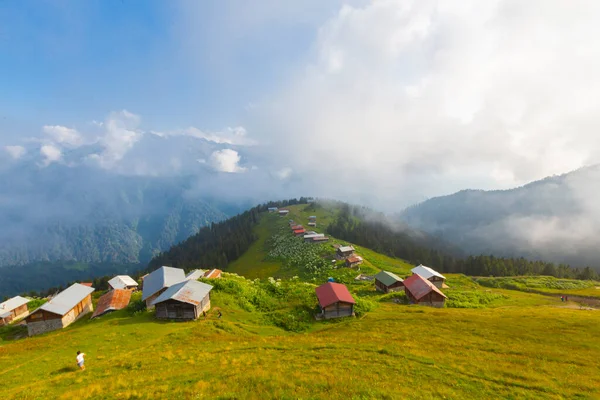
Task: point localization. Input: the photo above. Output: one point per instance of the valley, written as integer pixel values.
(492, 340)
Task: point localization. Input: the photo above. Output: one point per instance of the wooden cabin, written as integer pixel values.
(61, 311)
(299, 232)
(431, 275)
(195, 275)
(313, 224)
(123, 282)
(344, 252)
(158, 281)
(272, 209)
(335, 301)
(312, 218)
(283, 213)
(116, 299)
(13, 309)
(420, 291)
(387, 282)
(353, 261)
(183, 301)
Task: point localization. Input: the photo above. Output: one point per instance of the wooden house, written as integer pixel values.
(335, 301)
(283, 213)
(387, 282)
(353, 261)
(299, 232)
(116, 299)
(12, 309)
(308, 237)
(293, 227)
(420, 291)
(272, 209)
(123, 282)
(321, 239)
(213, 274)
(432, 276)
(344, 252)
(312, 218)
(61, 311)
(183, 301)
(160, 280)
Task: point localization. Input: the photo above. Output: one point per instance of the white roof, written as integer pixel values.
(195, 275)
(67, 299)
(314, 235)
(191, 292)
(122, 281)
(160, 279)
(426, 272)
(11, 304)
(344, 249)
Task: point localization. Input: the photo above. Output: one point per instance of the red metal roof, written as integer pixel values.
(420, 287)
(354, 259)
(88, 284)
(294, 227)
(331, 293)
(114, 300)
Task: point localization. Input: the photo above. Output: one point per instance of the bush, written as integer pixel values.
(136, 307)
(397, 297)
(363, 306)
(296, 320)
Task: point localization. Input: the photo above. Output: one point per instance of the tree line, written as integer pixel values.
(365, 228)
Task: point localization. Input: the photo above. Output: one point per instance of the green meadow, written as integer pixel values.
(492, 340)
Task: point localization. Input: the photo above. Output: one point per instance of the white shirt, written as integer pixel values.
(79, 358)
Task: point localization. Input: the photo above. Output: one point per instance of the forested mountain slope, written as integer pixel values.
(555, 219)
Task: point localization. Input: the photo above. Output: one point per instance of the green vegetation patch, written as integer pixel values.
(535, 282)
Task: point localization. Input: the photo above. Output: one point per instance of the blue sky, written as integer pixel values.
(392, 100)
(176, 63)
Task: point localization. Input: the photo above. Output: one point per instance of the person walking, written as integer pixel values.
(80, 360)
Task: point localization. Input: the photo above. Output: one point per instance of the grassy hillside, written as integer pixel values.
(524, 347)
(489, 342)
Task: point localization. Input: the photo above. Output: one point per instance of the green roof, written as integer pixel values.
(387, 278)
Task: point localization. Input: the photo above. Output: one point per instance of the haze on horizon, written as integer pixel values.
(383, 103)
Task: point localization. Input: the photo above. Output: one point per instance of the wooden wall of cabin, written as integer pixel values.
(173, 309)
(338, 310)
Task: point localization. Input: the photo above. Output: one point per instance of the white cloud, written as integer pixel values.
(63, 135)
(15, 152)
(237, 136)
(51, 153)
(120, 135)
(226, 160)
(283, 173)
(405, 99)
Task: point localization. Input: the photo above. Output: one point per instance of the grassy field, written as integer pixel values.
(489, 342)
(520, 352)
(545, 284)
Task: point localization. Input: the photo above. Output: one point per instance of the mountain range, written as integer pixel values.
(555, 219)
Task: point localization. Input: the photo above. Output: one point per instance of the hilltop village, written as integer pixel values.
(177, 296)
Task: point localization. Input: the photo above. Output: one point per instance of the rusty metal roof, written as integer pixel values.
(121, 282)
(116, 299)
(213, 273)
(88, 284)
(331, 293)
(160, 279)
(426, 272)
(354, 259)
(67, 299)
(191, 292)
(420, 287)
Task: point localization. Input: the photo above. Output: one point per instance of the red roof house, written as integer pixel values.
(213, 274)
(116, 299)
(88, 284)
(420, 291)
(335, 300)
(299, 232)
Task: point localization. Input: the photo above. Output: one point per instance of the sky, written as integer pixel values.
(384, 103)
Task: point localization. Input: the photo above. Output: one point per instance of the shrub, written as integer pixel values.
(471, 299)
(397, 297)
(295, 320)
(363, 306)
(136, 307)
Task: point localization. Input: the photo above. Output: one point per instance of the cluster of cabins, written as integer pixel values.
(174, 294)
(308, 236)
(422, 287)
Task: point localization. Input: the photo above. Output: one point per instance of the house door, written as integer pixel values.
(179, 311)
